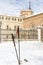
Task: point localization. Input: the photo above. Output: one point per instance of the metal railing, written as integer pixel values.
(24, 34)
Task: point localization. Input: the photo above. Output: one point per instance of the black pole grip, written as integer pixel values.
(13, 39)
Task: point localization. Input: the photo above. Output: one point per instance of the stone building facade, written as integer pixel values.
(31, 26)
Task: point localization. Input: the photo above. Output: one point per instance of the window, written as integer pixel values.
(33, 26)
(18, 19)
(14, 27)
(9, 18)
(7, 27)
(7, 36)
(15, 19)
(12, 18)
(6, 18)
(2, 17)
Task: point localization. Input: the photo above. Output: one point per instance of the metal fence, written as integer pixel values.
(5, 34)
(42, 34)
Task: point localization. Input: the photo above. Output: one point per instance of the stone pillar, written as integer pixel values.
(39, 34)
(0, 31)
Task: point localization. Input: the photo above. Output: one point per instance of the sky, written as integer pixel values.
(13, 7)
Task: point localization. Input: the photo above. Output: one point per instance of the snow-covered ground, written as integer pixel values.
(32, 51)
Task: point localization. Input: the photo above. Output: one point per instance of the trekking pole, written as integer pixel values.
(18, 43)
(15, 47)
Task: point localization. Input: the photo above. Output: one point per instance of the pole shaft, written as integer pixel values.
(15, 47)
(19, 44)
(19, 50)
(16, 54)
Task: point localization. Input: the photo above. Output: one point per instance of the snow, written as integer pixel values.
(32, 51)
